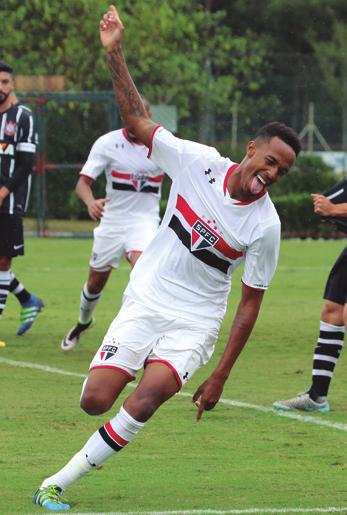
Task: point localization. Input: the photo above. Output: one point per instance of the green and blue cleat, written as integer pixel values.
(28, 313)
(50, 497)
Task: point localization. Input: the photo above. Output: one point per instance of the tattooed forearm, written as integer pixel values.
(128, 98)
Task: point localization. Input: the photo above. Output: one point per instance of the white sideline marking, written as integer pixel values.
(221, 512)
(265, 409)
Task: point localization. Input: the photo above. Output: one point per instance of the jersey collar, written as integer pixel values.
(126, 136)
(230, 171)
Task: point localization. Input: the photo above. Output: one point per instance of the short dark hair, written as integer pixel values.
(4, 67)
(286, 134)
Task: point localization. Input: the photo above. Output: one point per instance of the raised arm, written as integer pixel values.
(130, 105)
(209, 392)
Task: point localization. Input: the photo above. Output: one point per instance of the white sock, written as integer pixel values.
(88, 302)
(77, 467)
(105, 442)
(5, 280)
(112, 437)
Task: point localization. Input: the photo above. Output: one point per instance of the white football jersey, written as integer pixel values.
(205, 234)
(133, 182)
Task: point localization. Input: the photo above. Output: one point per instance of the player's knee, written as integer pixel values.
(142, 406)
(332, 313)
(95, 287)
(5, 263)
(94, 404)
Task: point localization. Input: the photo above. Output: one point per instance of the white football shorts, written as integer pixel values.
(139, 335)
(111, 244)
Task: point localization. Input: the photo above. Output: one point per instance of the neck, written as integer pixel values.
(132, 137)
(10, 100)
(234, 186)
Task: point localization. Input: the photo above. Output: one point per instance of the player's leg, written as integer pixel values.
(18, 289)
(12, 245)
(156, 386)
(106, 254)
(5, 280)
(114, 364)
(328, 349)
(329, 344)
(89, 298)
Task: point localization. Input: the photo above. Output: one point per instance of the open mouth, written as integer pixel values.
(261, 180)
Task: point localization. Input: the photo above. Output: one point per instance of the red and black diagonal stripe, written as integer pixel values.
(227, 253)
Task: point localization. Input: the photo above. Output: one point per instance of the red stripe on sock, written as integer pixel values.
(115, 436)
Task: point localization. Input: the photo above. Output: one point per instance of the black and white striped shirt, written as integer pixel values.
(17, 150)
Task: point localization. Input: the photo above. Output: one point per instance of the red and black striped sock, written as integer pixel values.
(112, 437)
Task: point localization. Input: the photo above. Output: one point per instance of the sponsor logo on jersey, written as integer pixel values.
(108, 351)
(10, 128)
(139, 180)
(202, 237)
(6, 149)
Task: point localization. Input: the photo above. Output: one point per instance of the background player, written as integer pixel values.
(17, 153)
(129, 215)
(218, 214)
(332, 325)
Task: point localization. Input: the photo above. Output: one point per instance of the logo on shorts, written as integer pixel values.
(108, 351)
(94, 256)
(202, 237)
(139, 180)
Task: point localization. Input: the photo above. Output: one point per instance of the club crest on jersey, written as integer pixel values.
(10, 128)
(202, 237)
(139, 180)
(108, 351)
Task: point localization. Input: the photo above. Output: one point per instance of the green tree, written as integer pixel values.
(167, 46)
(332, 57)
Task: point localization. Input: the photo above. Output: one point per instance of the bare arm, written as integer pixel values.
(208, 394)
(4, 192)
(84, 192)
(132, 110)
(324, 207)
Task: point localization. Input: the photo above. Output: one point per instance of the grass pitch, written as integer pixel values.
(237, 458)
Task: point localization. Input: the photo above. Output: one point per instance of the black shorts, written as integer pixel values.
(336, 287)
(11, 235)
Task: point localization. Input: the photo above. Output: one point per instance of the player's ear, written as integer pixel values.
(251, 148)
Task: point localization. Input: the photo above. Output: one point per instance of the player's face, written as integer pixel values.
(267, 162)
(6, 86)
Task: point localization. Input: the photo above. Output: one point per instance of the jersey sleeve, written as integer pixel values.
(261, 259)
(172, 154)
(97, 160)
(26, 141)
